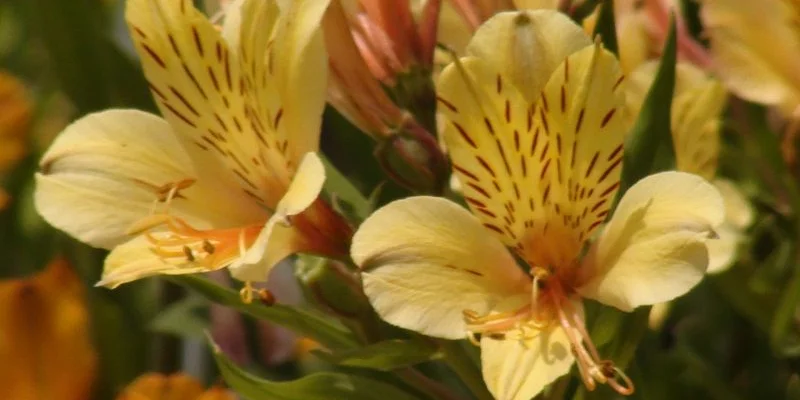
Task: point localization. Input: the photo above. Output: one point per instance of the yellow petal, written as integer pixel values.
(45, 340)
(110, 169)
(654, 247)
(495, 147)
(582, 110)
(697, 107)
(527, 46)
(226, 104)
(305, 188)
(297, 62)
(738, 216)
(517, 370)
(738, 211)
(135, 259)
(756, 48)
(426, 260)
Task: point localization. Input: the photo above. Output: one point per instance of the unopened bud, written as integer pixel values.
(413, 159)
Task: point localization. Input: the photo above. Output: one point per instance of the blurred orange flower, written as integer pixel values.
(156, 386)
(45, 342)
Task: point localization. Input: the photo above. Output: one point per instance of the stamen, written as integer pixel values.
(590, 366)
(248, 292)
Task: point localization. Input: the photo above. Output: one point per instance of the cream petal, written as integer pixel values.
(108, 169)
(527, 46)
(738, 216)
(722, 251)
(425, 260)
(517, 370)
(654, 247)
(756, 48)
(304, 189)
(301, 74)
(738, 211)
(135, 260)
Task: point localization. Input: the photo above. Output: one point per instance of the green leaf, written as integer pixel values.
(606, 27)
(649, 147)
(319, 386)
(185, 318)
(384, 356)
(306, 322)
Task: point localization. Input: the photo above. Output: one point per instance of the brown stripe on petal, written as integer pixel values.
(197, 43)
(154, 56)
(486, 212)
(179, 115)
(563, 99)
(610, 189)
(447, 104)
(580, 121)
(499, 84)
(475, 202)
(493, 227)
(615, 153)
(479, 189)
(183, 100)
(619, 81)
(464, 172)
(609, 169)
(486, 166)
(488, 125)
(465, 135)
(607, 118)
(591, 165)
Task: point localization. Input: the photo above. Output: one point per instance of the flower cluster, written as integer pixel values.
(528, 111)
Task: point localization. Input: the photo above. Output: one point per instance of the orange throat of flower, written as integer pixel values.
(550, 305)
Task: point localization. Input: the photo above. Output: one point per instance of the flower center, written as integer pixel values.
(550, 305)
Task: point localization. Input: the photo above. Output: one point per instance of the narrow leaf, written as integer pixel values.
(306, 322)
(649, 147)
(319, 386)
(606, 27)
(384, 356)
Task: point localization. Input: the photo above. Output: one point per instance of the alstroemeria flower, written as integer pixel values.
(755, 46)
(228, 176)
(535, 130)
(697, 106)
(154, 386)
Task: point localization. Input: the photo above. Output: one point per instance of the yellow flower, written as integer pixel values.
(697, 106)
(155, 386)
(535, 130)
(755, 46)
(45, 340)
(229, 176)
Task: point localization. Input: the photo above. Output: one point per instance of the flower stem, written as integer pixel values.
(461, 363)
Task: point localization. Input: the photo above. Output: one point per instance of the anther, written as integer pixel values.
(189, 254)
(208, 247)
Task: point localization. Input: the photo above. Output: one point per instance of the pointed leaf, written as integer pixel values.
(304, 321)
(319, 386)
(384, 356)
(606, 27)
(649, 147)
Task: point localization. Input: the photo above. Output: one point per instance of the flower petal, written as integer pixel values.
(213, 95)
(135, 259)
(756, 48)
(517, 370)
(110, 169)
(527, 46)
(495, 147)
(654, 247)
(304, 189)
(426, 260)
(697, 107)
(738, 216)
(296, 61)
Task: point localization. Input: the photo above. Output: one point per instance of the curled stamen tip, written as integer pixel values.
(147, 223)
(618, 379)
(266, 297)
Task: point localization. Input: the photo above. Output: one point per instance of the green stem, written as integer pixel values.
(461, 363)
